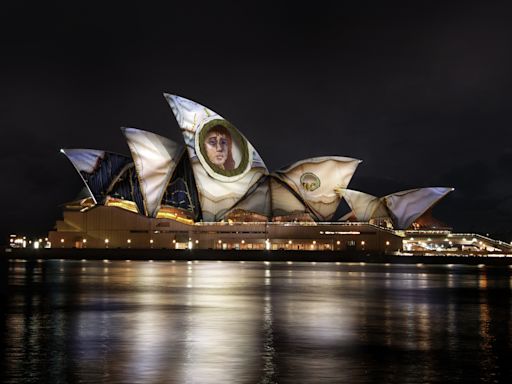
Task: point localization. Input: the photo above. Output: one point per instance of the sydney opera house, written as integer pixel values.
(214, 191)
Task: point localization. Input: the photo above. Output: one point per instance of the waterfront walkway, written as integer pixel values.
(237, 255)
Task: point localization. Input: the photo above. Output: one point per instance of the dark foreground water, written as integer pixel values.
(254, 322)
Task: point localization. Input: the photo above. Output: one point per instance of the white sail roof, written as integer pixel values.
(224, 162)
(317, 179)
(257, 200)
(84, 160)
(97, 169)
(364, 206)
(407, 206)
(284, 202)
(155, 159)
(271, 198)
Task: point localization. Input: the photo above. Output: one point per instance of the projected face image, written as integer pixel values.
(223, 153)
(218, 146)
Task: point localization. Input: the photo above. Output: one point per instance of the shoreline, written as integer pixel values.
(236, 255)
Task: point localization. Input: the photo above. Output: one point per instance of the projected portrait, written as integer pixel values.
(218, 145)
(222, 151)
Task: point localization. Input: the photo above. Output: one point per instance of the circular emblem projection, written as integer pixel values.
(222, 150)
(309, 181)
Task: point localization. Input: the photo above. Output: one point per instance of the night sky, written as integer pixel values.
(420, 91)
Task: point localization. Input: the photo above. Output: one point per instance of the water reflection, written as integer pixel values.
(210, 322)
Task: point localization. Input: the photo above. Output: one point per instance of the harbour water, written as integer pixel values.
(253, 322)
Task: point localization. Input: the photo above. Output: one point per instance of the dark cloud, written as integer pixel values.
(418, 90)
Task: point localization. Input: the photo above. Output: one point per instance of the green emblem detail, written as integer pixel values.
(309, 181)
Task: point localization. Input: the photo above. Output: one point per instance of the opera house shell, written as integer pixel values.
(215, 191)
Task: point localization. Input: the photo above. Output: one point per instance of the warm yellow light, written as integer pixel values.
(106, 241)
(220, 241)
(289, 241)
(84, 240)
(362, 242)
(151, 241)
(243, 241)
(61, 240)
(123, 204)
(314, 241)
(387, 242)
(338, 242)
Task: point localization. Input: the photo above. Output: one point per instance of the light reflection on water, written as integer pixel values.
(208, 322)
